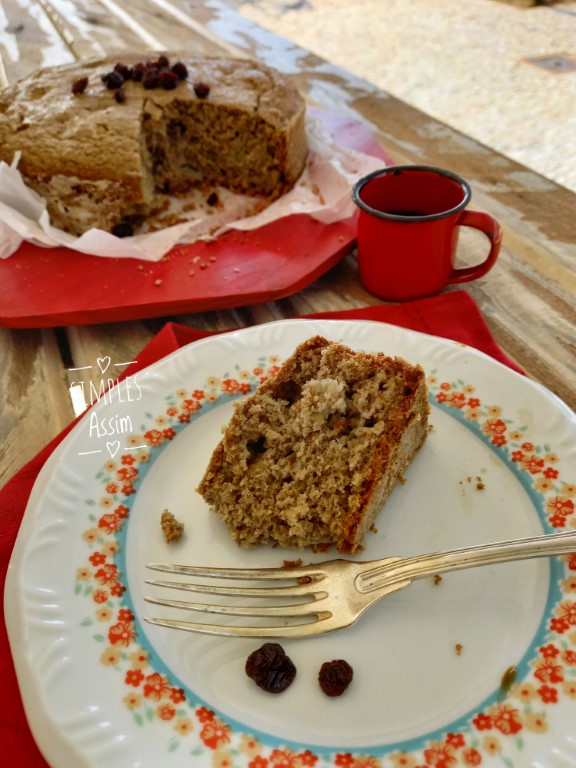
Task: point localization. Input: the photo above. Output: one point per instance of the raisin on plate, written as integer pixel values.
(270, 668)
(335, 676)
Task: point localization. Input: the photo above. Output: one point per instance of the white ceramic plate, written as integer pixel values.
(478, 669)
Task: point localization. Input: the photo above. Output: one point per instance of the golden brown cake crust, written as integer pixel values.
(310, 458)
(92, 156)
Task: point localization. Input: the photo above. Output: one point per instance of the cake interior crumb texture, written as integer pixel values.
(311, 456)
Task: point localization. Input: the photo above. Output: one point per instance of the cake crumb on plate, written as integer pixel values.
(171, 528)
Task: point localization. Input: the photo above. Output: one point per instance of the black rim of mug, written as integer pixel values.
(395, 169)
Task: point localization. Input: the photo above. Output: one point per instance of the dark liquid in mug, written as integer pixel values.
(406, 213)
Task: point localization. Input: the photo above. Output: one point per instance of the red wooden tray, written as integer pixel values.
(57, 286)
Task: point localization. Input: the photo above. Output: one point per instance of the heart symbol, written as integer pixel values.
(113, 448)
(103, 363)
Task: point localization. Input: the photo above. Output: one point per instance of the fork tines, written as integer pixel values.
(294, 591)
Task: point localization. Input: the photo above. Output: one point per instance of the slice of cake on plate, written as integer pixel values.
(311, 456)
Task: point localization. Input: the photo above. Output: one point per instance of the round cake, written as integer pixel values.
(105, 141)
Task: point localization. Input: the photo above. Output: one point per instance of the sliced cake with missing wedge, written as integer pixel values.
(311, 456)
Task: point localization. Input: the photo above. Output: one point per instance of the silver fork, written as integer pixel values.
(327, 596)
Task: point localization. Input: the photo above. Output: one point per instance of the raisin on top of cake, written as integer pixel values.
(311, 456)
(102, 140)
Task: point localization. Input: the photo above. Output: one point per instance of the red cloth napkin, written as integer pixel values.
(453, 316)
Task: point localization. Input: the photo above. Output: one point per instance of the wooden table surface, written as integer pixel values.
(528, 300)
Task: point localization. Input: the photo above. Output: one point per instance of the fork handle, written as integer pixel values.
(410, 568)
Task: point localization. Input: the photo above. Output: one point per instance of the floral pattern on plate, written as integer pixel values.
(522, 706)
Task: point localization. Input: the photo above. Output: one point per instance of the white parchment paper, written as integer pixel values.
(322, 192)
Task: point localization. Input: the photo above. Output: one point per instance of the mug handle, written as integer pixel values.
(493, 231)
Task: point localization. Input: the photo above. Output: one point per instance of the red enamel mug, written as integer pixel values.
(408, 224)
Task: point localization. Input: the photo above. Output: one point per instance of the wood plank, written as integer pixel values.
(29, 40)
(40, 33)
(176, 26)
(33, 392)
